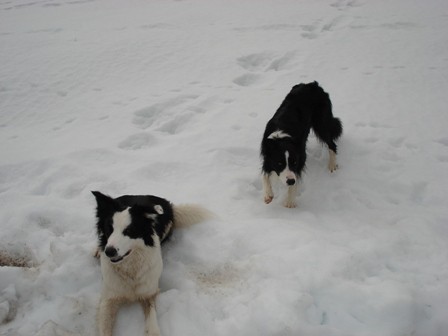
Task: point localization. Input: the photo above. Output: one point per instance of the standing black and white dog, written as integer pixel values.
(130, 232)
(283, 148)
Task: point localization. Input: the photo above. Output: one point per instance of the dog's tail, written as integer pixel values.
(336, 128)
(186, 215)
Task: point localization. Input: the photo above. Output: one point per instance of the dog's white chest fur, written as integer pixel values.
(134, 278)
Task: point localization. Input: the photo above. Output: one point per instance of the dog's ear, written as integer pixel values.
(106, 205)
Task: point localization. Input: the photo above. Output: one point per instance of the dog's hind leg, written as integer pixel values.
(328, 136)
(107, 312)
(335, 132)
(267, 188)
(332, 165)
(327, 129)
(149, 308)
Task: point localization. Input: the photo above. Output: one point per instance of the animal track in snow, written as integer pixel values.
(248, 79)
(316, 29)
(282, 63)
(265, 62)
(137, 141)
(44, 4)
(255, 62)
(346, 4)
(49, 30)
(271, 27)
(259, 63)
(169, 116)
(308, 31)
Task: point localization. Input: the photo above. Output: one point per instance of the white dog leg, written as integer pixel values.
(107, 312)
(267, 188)
(332, 165)
(151, 325)
(290, 201)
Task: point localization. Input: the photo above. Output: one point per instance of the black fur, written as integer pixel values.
(142, 226)
(306, 106)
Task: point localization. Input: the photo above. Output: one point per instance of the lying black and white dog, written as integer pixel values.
(283, 148)
(130, 232)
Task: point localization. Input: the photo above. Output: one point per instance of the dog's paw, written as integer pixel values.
(332, 167)
(289, 204)
(152, 332)
(268, 199)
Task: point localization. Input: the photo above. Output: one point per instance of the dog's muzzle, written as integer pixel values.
(112, 253)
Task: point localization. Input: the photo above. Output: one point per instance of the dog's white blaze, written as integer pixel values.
(278, 135)
(117, 239)
(286, 174)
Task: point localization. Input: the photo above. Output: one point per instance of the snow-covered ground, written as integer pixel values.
(171, 98)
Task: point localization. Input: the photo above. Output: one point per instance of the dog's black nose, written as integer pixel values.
(290, 182)
(111, 251)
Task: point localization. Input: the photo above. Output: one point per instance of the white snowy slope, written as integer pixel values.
(171, 98)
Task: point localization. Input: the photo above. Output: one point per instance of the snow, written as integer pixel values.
(171, 98)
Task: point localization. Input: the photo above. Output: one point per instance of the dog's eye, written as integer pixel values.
(128, 231)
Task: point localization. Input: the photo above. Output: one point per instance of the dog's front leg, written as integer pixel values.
(149, 308)
(267, 188)
(107, 312)
(290, 201)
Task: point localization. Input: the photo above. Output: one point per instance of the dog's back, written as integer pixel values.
(306, 106)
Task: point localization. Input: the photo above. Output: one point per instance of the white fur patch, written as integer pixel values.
(151, 216)
(278, 135)
(123, 244)
(158, 209)
(287, 174)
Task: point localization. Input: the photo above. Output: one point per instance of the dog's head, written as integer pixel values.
(281, 157)
(122, 229)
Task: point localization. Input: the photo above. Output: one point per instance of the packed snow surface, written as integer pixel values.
(171, 98)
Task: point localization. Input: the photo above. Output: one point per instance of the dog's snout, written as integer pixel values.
(290, 182)
(111, 251)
